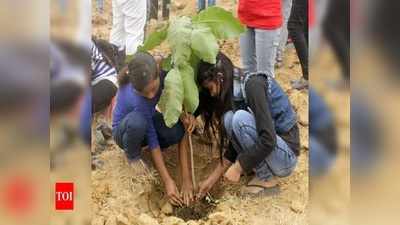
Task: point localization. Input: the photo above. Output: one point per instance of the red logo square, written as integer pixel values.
(64, 196)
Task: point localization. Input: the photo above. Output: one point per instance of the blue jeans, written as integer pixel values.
(130, 134)
(100, 5)
(258, 49)
(280, 162)
(201, 4)
(321, 159)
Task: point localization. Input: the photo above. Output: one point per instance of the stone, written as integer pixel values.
(167, 209)
(145, 219)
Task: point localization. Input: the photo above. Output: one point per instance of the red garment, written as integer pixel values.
(261, 14)
(311, 14)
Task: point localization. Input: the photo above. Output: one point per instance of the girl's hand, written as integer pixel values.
(189, 122)
(234, 172)
(173, 193)
(204, 188)
(187, 192)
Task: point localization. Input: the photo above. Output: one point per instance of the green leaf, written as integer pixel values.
(194, 62)
(154, 39)
(191, 92)
(204, 43)
(222, 23)
(178, 37)
(167, 63)
(172, 98)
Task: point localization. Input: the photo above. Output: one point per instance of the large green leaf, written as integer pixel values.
(194, 62)
(191, 93)
(172, 98)
(166, 64)
(204, 43)
(222, 23)
(154, 39)
(178, 37)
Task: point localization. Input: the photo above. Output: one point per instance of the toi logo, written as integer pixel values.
(64, 196)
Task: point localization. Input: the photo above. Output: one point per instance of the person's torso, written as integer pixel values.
(100, 68)
(128, 100)
(282, 112)
(261, 14)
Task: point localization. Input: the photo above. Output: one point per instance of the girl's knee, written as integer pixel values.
(240, 118)
(136, 124)
(228, 116)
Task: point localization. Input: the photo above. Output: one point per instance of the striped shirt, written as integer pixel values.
(100, 68)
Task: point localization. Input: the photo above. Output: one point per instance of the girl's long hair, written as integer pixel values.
(212, 109)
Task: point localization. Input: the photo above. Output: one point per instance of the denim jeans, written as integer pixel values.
(286, 8)
(130, 134)
(201, 4)
(280, 162)
(100, 5)
(258, 50)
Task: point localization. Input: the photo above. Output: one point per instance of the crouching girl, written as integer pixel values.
(254, 114)
(137, 123)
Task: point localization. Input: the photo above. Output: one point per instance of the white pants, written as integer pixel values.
(129, 19)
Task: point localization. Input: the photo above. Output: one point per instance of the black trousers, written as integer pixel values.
(298, 31)
(336, 29)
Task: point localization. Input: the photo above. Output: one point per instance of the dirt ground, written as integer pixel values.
(119, 198)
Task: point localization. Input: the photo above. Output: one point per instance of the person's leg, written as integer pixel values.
(296, 24)
(286, 8)
(337, 31)
(211, 3)
(152, 8)
(267, 42)
(280, 162)
(167, 136)
(201, 4)
(248, 50)
(130, 134)
(321, 158)
(135, 20)
(117, 35)
(165, 9)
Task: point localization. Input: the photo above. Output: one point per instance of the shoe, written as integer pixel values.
(299, 84)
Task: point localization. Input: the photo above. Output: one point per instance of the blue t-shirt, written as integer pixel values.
(129, 100)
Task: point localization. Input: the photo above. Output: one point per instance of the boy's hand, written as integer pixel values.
(187, 192)
(234, 172)
(173, 193)
(189, 122)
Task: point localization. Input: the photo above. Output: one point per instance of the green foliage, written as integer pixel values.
(222, 23)
(191, 40)
(154, 39)
(191, 93)
(172, 97)
(204, 43)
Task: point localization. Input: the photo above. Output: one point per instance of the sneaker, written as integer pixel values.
(299, 84)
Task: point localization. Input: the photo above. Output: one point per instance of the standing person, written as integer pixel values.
(201, 4)
(254, 114)
(136, 123)
(298, 31)
(286, 9)
(129, 20)
(258, 45)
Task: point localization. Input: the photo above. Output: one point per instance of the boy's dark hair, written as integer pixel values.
(139, 72)
(212, 109)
